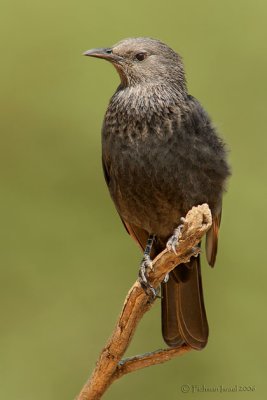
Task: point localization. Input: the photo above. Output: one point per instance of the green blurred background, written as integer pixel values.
(66, 261)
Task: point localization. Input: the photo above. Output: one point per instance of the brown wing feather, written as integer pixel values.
(212, 239)
(139, 235)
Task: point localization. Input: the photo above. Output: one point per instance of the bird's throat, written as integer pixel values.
(150, 98)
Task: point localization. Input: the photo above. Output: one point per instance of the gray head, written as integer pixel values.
(144, 61)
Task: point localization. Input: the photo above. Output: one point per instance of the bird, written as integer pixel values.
(161, 156)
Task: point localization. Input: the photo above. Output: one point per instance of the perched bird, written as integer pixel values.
(161, 156)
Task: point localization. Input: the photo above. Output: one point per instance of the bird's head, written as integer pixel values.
(143, 61)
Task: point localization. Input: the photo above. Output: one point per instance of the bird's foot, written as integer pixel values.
(146, 264)
(166, 278)
(195, 250)
(174, 239)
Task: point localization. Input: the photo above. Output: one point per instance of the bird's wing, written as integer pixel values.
(106, 171)
(202, 125)
(139, 235)
(212, 239)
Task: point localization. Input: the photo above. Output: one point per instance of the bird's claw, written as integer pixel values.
(195, 250)
(172, 243)
(166, 278)
(174, 239)
(146, 264)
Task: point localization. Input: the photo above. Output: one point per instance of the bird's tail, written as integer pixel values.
(183, 312)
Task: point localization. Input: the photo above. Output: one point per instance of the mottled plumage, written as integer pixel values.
(161, 156)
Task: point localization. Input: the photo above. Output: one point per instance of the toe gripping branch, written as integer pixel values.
(174, 239)
(146, 264)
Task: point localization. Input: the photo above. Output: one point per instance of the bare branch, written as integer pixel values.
(146, 360)
(108, 368)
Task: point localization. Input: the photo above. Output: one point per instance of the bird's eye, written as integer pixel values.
(140, 56)
(109, 51)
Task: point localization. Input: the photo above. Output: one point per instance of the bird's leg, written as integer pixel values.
(174, 239)
(146, 263)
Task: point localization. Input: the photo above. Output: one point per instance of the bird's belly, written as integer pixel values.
(154, 183)
(147, 208)
(145, 194)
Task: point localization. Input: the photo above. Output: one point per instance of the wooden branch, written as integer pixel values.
(109, 368)
(132, 364)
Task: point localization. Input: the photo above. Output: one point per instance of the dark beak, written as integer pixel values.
(105, 53)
